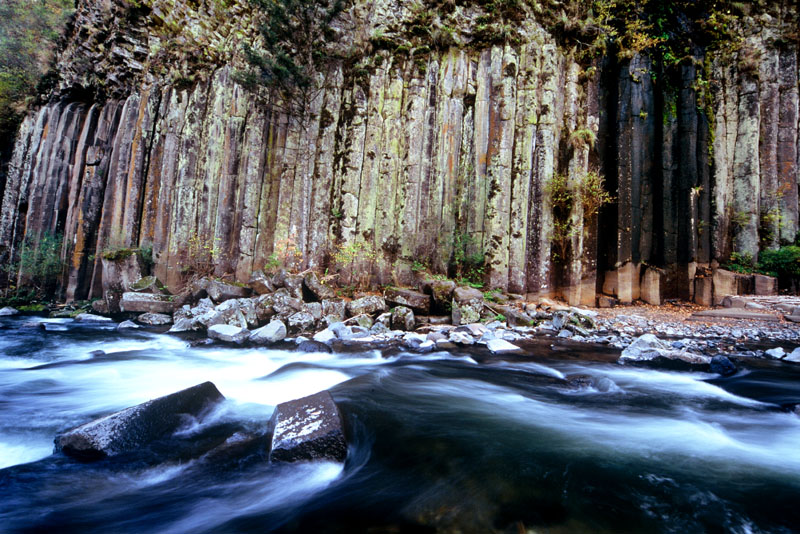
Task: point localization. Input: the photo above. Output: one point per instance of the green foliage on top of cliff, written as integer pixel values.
(295, 36)
(29, 31)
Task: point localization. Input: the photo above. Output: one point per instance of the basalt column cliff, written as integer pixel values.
(409, 152)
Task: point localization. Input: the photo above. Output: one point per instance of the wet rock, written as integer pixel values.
(308, 429)
(793, 356)
(445, 344)
(260, 283)
(467, 305)
(309, 345)
(8, 311)
(776, 353)
(501, 346)
(154, 319)
(315, 287)
(147, 303)
(461, 338)
(90, 318)
(413, 341)
(564, 333)
(645, 347)
(220, 291)
(300, 322)
(228, 333)
(340, 330)
(183, 324)
(402, 318)
(366, 305)
(722, 365)
(272, 333)
(419, 302)
(128, 325)
(325, 336)
(473, 329)
(137, 426)
(149, 284)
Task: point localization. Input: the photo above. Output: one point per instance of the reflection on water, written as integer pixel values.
(437, 442)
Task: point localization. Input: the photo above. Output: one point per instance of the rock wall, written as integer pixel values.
(398, 160)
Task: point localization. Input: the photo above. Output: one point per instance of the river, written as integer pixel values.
(442, 442)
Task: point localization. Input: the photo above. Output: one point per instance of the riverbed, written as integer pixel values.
(441, 442)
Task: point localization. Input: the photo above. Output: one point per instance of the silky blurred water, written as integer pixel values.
(437, 442)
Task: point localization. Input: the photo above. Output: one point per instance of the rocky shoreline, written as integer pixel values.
(302, 309)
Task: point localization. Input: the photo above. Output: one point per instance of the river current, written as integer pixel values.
(442, 442)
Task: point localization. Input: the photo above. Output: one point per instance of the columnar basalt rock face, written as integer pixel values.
(396, 163)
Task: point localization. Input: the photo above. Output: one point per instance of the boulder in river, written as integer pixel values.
(137, 426)
(308, 429)
(90, 318)
(722, 365)
(8, 311)
(228, 333)
(272, 333)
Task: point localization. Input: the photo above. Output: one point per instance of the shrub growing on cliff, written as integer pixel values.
(29, 30)
(296, 38)
(40, 264)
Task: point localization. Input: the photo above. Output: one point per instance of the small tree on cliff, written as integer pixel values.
(296, 45)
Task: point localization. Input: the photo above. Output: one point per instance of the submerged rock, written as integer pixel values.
(722, 365)
(89, 318)
(308, 429)
(135, 427)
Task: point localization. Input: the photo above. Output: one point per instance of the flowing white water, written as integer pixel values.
(428, 432)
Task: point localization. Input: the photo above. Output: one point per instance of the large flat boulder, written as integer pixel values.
(366, 305)
(147, 303)
(220, 291)
(308, 429)
(137, 426)
(419, 302)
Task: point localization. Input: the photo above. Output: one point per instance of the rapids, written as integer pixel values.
(443, 442)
